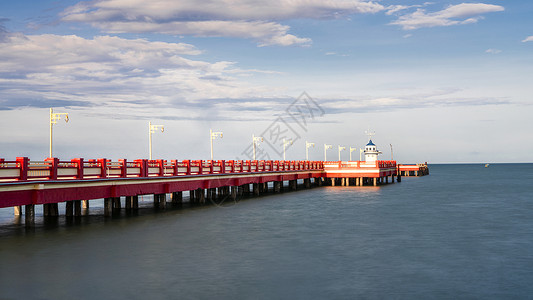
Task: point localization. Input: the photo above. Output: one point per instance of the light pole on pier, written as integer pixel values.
(340, 149)
(153, 129)
(326, 147)
(285, 143)
(352, 149)
(360, 153)
(391, 156)
(212, 136)
(307, 146)
(54, 117)
(256, 139)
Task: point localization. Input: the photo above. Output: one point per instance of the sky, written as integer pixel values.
(437, 82)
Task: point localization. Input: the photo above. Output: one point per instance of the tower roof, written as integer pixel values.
(370, 143)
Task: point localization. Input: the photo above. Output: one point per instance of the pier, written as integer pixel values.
(25, 183)
(413, 169)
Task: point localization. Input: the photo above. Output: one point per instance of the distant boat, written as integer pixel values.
(486, 165)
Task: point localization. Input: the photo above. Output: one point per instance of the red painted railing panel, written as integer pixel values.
(79, 169)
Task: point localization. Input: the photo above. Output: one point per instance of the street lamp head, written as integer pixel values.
(214, 135)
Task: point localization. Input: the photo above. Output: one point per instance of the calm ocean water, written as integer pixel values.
(463, 232)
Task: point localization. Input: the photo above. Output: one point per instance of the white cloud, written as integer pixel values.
(464, 13)
(493, 51)
(528, 39)
(250, 19)
(392, 9)
(41, 70)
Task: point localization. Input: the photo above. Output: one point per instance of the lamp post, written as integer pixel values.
(391, 156)
(285, 143)
(351, 150)
(256, 139)
(153, 129)
(212, 136)
(54, 117)
(326, 147)
(360, 153)
(307, 146)
(340, 149)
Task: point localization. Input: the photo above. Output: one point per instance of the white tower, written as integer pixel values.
(371, 152)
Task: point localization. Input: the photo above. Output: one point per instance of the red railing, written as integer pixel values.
(22, 169)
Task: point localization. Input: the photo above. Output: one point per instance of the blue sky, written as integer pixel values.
(443, 81)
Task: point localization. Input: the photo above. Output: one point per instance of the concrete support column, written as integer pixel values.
(129, 202)
(293, 184)
(333, 181)
(85, 204)
(69, 208)
(277, 187)
(162, 201)
(392, 178)
(201, 196)
(108, 206)
(261, 188)
(29, 214)
(18, 210)
(54, 209)
(135, 202)
(77, 208)
(375, 181)
(255, 187)
(307, 183)
(116, 203)
(192, 199)
(233, 193)
(318, 181)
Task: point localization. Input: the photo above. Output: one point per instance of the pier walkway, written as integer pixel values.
(75, 182)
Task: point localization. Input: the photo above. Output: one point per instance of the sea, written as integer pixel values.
(463, 232)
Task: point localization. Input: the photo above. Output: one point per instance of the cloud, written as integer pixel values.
(135, 74)
(393, 9)
(528, 39)
(406, 101)
(464, 13)
(251, 19)
(493, 51)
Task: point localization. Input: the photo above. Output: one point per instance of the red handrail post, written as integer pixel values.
(123, 168)
(161, 166)
(23, 163)
(174, 167)
(79, 166)
(200, 167)
(221, 164)
(143, 167)
(188, 166)
(103, 167)
(53, 161)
